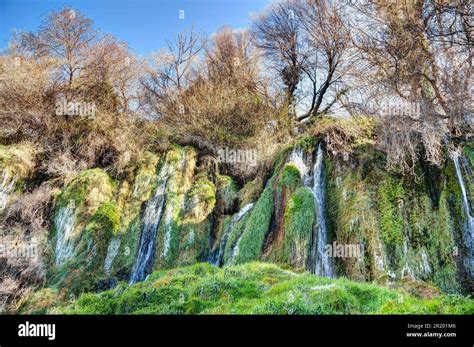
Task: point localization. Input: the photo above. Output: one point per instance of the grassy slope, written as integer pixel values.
(256, 288)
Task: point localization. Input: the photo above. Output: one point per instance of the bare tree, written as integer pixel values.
(232, 57)
(328, 39)
(306, 40)
(276, 31)
(65, 35)
(171, 69)
(419, 52)
(110, 61)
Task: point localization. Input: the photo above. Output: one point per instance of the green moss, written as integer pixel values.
(84, 271)
(390, 196)
(299, 220)
(234, 237)
(251, 191)
(201, 200)
(251, 242)
(126, 255)
(353, 218)
(226, 193)
(306, 142)
(132, 194)
(88, 190)
(469, 152)
(256, 288)
(96, 220)
(182, 163)
(453, 190)
(290, 176)
(195, 226)
(108, 217)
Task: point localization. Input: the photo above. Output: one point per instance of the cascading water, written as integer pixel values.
(112, 252)
(150, 223)
(302, 161)
(425, 267)
(320, 263)
(406, 271)
(167, 237)
(217, 258)
(469, 228)
(235, 250)
(7, 185)
(64, 225)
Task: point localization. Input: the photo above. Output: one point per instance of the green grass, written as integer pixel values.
(256, 288)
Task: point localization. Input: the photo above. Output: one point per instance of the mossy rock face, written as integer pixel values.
(184, 228)
(16, 164)
(257, 288)
(469, 152)
(300, 216)
(353, 216)
(251, 191)
(451, 239)
(194, 243)
(200, 201)
(390, 202)
(404, 236)
(290, 176)
(227, 194)
(85, 219)
(264, 235)
(220, 224)
(182, 164)
(133, 192)
(295, 213)
(233, 239)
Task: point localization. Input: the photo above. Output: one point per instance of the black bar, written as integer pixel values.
(245, 330)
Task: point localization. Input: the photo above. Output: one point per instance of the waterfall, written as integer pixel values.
(302, 161)
(7, 185)
(321, 264)
(235, 250)
(151, 220)
(217, 258)
(378, 261)
(64, 225)
(112, 251)
(406, 271)
(425, 267)
(167, 237)
(469, 228)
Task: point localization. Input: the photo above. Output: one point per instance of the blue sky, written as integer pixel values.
(144, 24)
